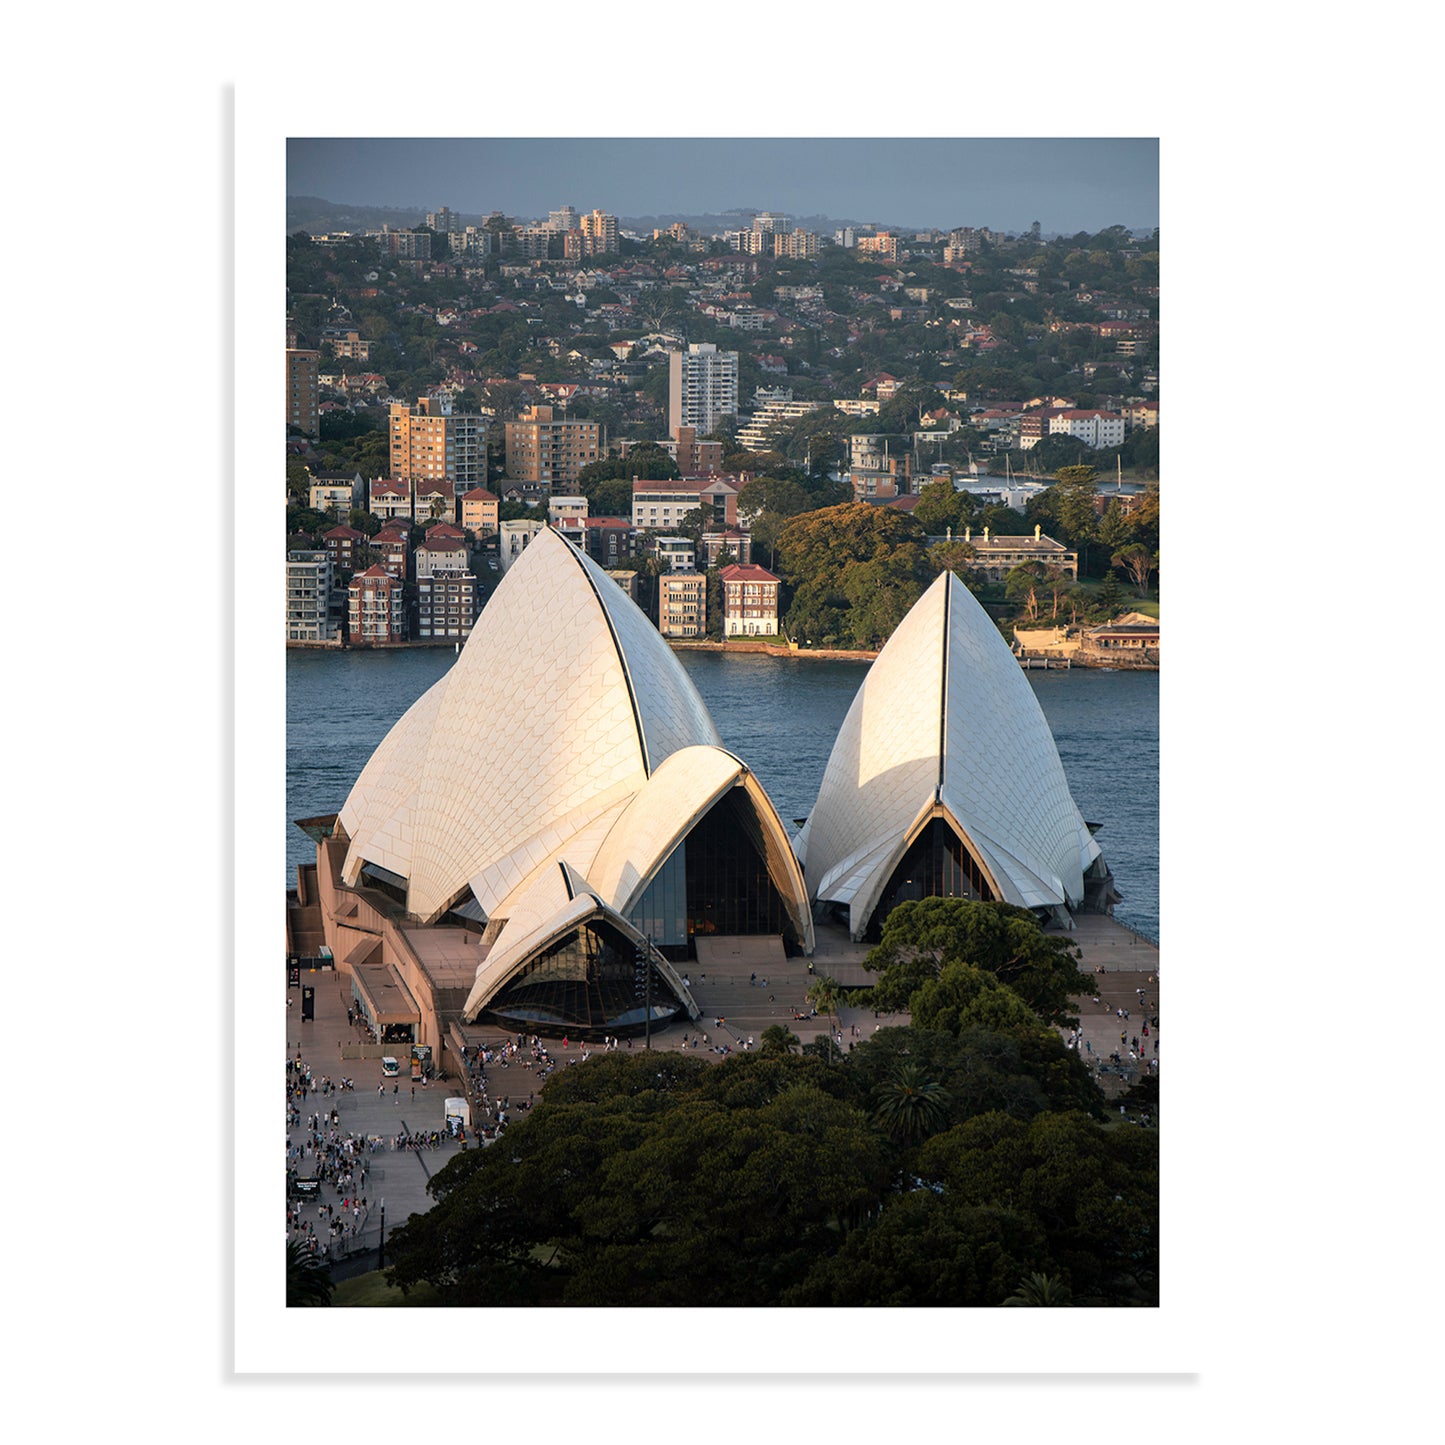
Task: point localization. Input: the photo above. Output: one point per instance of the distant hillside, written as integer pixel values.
(714, 223)
(313, 214)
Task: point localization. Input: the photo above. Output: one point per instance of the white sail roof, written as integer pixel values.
(561, 704)
(945, 724)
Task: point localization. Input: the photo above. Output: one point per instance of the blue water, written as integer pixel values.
(780, 715)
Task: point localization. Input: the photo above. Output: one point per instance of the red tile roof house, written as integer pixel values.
(390, 499)
(342, 543)
(393, 544)
(750, 602)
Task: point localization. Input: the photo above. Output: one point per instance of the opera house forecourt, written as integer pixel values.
(945, 781)
(544, 838)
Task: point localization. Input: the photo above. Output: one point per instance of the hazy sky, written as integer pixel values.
(1067, 185)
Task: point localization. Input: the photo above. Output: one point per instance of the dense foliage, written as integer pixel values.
(646, 1179)
(947, 1163)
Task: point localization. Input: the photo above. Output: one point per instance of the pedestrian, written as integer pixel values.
(380, 1089)
(413, 1093)
(395, 1090)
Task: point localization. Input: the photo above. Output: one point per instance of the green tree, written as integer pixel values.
(1107, 598)
(308, 1280)
(1059, 583)
(910, 1106)
(1139, 562)
(611, 498)
(921, 937)
(926, 1250)
(964, 997)
(653, 1180)
(938, 508)
(1024, 583)
(298, 482)
(1094, 1190)
(778, 1039)
(819, 551)
(823, 994)
(1040, 1290)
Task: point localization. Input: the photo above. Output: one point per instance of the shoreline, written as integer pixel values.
(765, 649)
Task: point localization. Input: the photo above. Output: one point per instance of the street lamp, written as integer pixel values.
(381, 1248)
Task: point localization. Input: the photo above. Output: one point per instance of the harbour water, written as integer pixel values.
(780, 715)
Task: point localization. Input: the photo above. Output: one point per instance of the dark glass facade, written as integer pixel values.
(936, 865)
(661, 912)
(728, 887)
(590, 983)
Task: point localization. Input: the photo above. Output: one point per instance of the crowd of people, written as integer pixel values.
(328, 1167)
(1137, 1047)
(492, 1111)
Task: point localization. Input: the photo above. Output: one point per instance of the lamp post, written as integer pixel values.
(381, 1248)
(647, 996)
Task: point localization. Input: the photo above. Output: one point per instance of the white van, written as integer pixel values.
(389, 1067)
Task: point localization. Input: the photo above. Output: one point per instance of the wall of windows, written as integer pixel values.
(728, 887)
(589, 982)
(936, 865)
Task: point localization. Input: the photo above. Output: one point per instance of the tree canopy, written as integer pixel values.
(854, 571)
(924, 936)
(920, 1168)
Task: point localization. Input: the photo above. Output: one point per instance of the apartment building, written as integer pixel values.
(376, 610)
(344, 544)
(880, 467)
(393, 546)
(336, 492)
(433, 502)
(682, 604)
(694, 458)
(755, 436)
(702, 387)
(303, 370)
(547, 451)
(750, 602)
(660, 506)
(431, 443)
(346, 342)
(599, 233)
(796, 246)
(677, 554)
(731, 539)
(1094, 428)
(479, 512)
(308, 596)
(610, 541)
(514, 537)
(404, 245)
(446, 604)
(884, 245)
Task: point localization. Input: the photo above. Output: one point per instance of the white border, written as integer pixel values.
(763, 1342)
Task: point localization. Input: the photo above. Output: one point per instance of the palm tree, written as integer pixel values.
(911, 1106)
(1041, 1290)
(308, 1281)
(823, 994)
(778, 1039)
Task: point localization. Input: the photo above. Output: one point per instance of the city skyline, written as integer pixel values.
(1066, 184)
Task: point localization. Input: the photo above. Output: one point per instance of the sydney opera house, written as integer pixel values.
(945, 781)
(551, 833)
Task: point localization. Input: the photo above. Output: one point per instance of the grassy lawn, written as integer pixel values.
(368, 1291)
